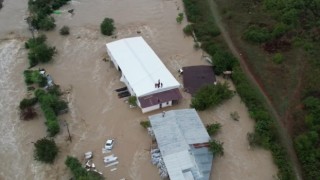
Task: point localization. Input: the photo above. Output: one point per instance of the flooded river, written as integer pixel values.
(96, 113)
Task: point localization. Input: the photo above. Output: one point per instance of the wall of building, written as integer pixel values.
(152, 108)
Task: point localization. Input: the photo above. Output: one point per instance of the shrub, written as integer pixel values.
(278, 58)
(107, 27)
(145, 124)
(216, 147)
(133, 100)
(211, 95)
(45, 150)
(65, 30)
(257, 34)
(188, 30)
(213, 128)
(179, 18)
(79, 172)
(28, 103)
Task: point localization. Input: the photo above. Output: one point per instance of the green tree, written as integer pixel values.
(211, 95)
(223, 61)
(107, 27)
(45, 150)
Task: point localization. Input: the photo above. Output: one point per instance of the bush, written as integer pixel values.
(28, 103)
(179, 18)
(107, 27)
(45, 150)
(65, 30)
(79, 172)
(257, 34)
(213, 128)
(145, 124)
(278, 58)
(188, 30)
(211, 95)
(133, 100)
(216, 147)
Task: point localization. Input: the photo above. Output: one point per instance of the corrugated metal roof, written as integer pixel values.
(141, 66)
(175, 132)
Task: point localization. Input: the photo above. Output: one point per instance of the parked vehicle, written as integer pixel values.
(109, 144)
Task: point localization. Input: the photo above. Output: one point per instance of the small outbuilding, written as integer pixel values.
(195, 77)
(144, 74)
(183, 142)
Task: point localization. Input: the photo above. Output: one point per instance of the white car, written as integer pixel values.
(109, 144)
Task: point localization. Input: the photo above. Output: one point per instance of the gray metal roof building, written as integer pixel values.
(183, 143)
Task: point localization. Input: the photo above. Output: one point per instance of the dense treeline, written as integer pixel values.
(265, 132)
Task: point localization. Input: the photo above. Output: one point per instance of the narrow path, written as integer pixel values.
(283, 132)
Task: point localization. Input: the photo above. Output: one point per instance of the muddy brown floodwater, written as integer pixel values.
(96, 113)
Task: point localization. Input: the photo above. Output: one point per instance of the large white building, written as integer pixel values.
(183, 143)
(144, 74)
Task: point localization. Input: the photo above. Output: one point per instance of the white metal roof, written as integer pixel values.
(175, 132)
(141, 66)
